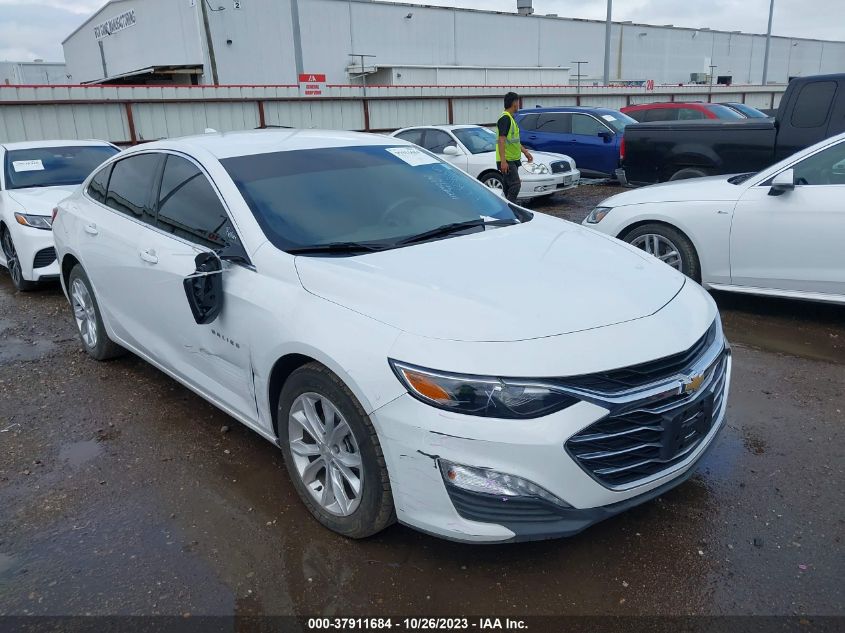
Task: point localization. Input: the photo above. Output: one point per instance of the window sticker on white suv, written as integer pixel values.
(412, 156)
(27, 165)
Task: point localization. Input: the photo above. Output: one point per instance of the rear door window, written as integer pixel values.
(131, 186)
(189, 207)
(98, 186)
(555, 123)
(412, 136)
(813, 104)
(528, 122)
(690, 114)
(661, 114)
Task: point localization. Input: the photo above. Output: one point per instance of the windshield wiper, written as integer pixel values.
(740, 178)
(455, 227)
(336, 247)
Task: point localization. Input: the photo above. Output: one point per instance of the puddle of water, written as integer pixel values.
(78, 453)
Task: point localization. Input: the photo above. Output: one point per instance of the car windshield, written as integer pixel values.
(478, 140)
(372, 195)
(617, 120)
(51, 166)
(724, 112)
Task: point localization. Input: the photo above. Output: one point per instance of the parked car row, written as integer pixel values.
(420, 349)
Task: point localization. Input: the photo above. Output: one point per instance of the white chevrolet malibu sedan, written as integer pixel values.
(35, 175)
(418, 348)
(779, 232)
(473, 149)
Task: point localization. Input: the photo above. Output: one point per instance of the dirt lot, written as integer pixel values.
(121, 492)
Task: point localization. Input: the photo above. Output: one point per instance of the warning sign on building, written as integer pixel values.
(312, 85)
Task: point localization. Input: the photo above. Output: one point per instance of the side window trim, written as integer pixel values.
(169, 152)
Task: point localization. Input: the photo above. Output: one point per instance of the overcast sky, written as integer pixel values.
(32, 29)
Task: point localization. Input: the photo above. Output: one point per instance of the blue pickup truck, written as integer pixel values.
(592, 136)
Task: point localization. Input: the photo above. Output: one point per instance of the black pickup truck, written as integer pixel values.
(811, 109)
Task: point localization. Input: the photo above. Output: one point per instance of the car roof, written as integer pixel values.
(229, 144)
(448, 127)
(669, 104)
(569, 109)
(54, 143)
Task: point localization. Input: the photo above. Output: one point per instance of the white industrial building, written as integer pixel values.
(36, 72)
(381, 43)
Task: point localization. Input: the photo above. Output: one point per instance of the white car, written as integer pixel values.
(473, 149)
(34, 177)
(779, 232)
(420, 349)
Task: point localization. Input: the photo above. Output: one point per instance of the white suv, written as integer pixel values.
(420, 349)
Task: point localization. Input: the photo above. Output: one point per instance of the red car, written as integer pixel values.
(676, 111)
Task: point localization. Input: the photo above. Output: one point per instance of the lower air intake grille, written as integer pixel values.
(630, 446)
(44, 257)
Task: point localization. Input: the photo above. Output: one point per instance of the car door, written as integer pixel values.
(594, 141)
(192, 219)
(120, 207)
(794, 241)
(553, 133)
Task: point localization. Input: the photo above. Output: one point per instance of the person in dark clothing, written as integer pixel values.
(509, 150)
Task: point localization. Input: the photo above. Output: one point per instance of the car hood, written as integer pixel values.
(710, 188)
(41, 200)
(541, 278)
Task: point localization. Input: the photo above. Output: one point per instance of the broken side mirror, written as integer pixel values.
(783, 182)
(204, 288)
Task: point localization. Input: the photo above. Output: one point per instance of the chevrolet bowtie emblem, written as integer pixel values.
(693, 383)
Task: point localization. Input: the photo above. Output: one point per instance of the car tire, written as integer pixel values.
(493, 179)
(86, 313)
(13, 263)
(667, 239)
(355, 514)
(689, 172)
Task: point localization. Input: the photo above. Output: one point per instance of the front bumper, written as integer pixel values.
(546, 184)
(415, 436)
(36, 252)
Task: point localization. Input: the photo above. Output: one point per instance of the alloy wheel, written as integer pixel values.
(325, 454)
(662, 248)
(12, 261)
(494, 183)
(83, 312)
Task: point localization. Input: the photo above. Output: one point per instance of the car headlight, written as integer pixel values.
(598, 214)
(44, 222)
(485, 396)
(536, 168)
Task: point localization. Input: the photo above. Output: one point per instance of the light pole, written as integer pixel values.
(578, 75)
(768, 41)
(607, 25)
(712, 68)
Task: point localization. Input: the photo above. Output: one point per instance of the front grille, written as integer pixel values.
(610, 382)
(559, 166)
(642, 441)
(44, 257)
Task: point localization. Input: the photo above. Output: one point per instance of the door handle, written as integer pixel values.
(532, 136)
(91, 229)
(149, 255)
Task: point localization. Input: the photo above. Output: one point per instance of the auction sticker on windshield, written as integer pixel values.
(27, 165)
(412, 156)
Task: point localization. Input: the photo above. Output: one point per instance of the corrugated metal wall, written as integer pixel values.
(134, 114)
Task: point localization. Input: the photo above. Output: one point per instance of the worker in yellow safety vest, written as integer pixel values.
(509, 150)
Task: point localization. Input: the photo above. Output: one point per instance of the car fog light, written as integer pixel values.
(492, 482)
